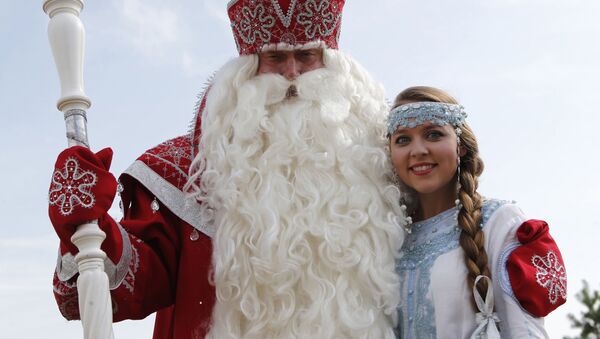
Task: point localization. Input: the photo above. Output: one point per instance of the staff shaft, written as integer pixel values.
(67, 40)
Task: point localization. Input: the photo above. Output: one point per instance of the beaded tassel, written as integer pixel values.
(458, 186)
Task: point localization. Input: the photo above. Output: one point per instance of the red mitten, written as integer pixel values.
(536, 270)
(82, 190)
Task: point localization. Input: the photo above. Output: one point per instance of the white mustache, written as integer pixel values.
(277, 88)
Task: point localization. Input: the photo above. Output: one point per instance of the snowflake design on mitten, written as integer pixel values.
(551, 275)
(71, 187)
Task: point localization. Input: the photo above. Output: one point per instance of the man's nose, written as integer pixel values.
(291, 69)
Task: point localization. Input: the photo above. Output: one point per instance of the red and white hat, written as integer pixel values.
(261, 24)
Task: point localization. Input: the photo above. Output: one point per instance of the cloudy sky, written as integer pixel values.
(526, 70)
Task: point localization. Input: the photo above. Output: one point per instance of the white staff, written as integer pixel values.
(67, 40)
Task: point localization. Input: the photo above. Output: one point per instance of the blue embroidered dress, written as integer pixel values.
(436, 301)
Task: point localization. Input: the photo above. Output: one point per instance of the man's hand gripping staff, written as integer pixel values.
(82, 190)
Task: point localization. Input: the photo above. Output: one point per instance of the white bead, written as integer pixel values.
(154, 205)
(194, 235)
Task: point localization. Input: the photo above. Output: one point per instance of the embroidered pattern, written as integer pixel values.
(134, 264)
(71, 187)
(260, 23)
(287, 18)
(171, 160)
(255, 24)
(551, 275)
(65, 293)
(418, 113)
(429, 240)
(317, 18)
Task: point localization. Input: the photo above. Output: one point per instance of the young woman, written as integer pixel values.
(470, 267)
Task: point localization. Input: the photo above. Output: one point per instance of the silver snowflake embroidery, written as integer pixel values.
(317, 18)
(551, 275)
(256, 24)
(71, 187)
(172, 157)
(173, 151)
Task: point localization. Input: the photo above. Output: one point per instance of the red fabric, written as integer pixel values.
(171, 159)
(168, 272)
(257, 23)
(81, 190)
(536, 270)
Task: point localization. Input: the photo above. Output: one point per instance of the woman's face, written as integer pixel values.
(425, 157)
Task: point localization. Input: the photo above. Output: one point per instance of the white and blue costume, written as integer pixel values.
(436, 301)
(528, 276)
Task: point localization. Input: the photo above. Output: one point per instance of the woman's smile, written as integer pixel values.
(422, 169)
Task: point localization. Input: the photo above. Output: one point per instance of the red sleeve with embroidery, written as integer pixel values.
(536, 270)
(150, 281)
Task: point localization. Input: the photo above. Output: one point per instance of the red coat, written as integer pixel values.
(159, 259)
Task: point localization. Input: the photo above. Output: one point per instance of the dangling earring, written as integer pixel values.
(458, 186)
(408, 220)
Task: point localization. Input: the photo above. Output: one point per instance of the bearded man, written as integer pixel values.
(272, 217)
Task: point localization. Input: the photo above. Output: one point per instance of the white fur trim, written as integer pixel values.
(282, 46)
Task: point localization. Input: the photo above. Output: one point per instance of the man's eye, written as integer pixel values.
(273, 57)
(306, 55)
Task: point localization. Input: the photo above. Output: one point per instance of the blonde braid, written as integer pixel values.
(469, 217)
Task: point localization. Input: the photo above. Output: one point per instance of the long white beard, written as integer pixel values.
(305, 243)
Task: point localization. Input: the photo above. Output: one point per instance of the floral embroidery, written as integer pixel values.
(71, 187)
(260, 23)
(317, 18)
(255, 24)
(174, 150)
(551, 275)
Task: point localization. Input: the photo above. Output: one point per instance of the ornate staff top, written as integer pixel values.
(67, 40)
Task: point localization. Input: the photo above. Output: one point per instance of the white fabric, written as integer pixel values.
(66, 267)
(486, 318)
(451, 297)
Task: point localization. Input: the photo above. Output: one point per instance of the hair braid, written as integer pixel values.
(469, 217)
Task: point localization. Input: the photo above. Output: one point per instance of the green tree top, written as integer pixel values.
(588, 321)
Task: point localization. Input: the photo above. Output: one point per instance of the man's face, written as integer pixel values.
(290, 64)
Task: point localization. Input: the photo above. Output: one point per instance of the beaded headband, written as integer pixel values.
(417, 113)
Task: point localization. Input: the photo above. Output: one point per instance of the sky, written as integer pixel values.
(527, 71)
